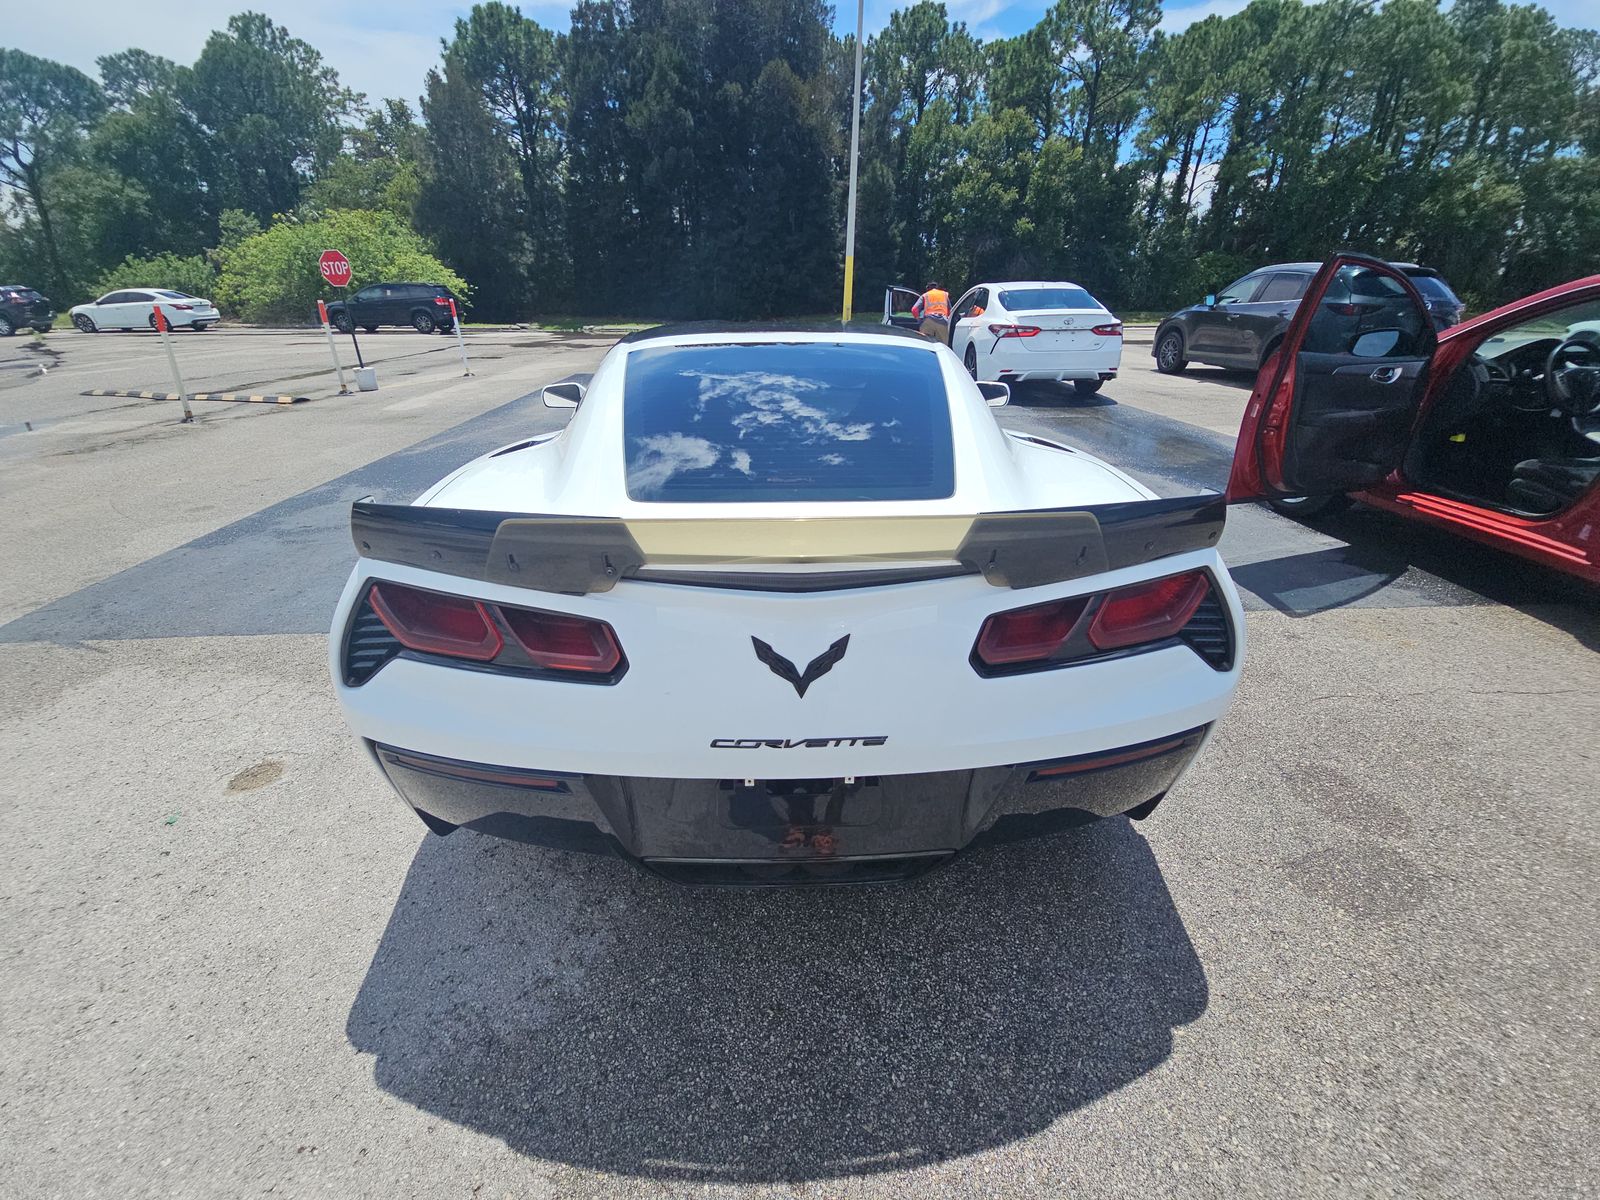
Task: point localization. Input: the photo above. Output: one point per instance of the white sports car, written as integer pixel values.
(784, 607)
(1027, 330)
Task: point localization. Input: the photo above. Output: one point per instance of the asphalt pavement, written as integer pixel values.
(1354, 954)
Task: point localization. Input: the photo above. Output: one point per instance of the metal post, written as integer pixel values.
(166, 341)
(455, 319)
(360, 362)
(855, 152)
(322, 311)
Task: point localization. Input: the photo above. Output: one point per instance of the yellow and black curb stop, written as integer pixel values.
(226, 397)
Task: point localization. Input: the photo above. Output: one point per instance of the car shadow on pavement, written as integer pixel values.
(588, 1014)
(1047, 393)
(1226, 376)
(1383, 552)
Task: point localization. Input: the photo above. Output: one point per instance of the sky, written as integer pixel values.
(385, 49)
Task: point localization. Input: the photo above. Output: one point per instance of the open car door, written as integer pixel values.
(897, 302)
(1333, 409)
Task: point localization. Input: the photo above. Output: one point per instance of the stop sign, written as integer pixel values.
(335, 268)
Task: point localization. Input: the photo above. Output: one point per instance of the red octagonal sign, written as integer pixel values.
(335, 268)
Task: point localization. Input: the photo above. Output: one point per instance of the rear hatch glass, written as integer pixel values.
(1065, 316)
(23, 296)
(1434, 289)
(810, 421)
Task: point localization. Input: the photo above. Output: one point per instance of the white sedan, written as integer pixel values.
(134, 308)
(784, 607)
(1027, 330)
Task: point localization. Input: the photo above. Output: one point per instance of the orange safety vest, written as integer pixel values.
(935, 304)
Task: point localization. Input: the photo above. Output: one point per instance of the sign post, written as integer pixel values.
(455, 319)
(335, 268)
(322, 311)
(183, 392)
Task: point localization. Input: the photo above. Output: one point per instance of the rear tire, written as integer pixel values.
(370, 328)
(343, 323)
(1307, 507)
(971, 360)
(422, 322)
(1088, 387)
(6, 327)
(1169, 353)
(84, 324)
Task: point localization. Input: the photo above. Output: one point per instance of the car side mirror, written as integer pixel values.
(1211, 300)
(997, 394)
(563, 395)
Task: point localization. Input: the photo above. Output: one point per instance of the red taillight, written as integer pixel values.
(1008, 331)
(1148, 612)
(440, 300)
(1027, 634)
(558, 642)
(434, 623)
(1112, 330)
(181, 307)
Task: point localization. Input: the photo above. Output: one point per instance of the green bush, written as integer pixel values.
(272, 278)
(193, 275)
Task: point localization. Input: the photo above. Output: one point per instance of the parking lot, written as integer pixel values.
(1354, 954)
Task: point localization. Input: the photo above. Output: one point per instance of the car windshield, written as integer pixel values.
(796, 421)
(1030, 299)
(25, 294)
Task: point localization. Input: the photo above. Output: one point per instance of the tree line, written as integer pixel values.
(687, 158)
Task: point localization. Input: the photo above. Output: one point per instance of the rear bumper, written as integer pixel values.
(788, 831)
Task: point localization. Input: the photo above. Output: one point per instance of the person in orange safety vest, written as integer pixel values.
(932, 309)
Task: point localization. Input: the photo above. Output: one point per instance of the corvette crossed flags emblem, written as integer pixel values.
(815, 669)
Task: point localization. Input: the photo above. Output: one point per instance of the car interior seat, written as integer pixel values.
(1547, 485)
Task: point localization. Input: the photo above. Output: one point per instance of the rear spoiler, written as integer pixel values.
(580, 555)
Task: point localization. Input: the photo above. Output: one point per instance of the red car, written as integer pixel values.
(1490, 430)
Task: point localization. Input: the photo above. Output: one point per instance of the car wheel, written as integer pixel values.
(972, 360)
(41, 329)
(422, 322)
(199, 326)
(1169, 353)
(1088, 387)
(1272, 348)
(343, 323)
(6, 327)
(1306, 507)
(153, 320)
(370, 328)
(84, 324)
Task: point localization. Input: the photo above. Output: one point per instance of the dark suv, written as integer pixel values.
(1244, 322)
(423, 306)
(21, 306)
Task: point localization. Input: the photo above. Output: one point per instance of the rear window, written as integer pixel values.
(1433, 288)
(1027, 299)
(774, 422)
(176, 295)
(26, 295)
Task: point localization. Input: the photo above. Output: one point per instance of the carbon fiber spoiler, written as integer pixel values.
(579, 555)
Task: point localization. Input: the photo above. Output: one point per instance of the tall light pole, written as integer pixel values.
(855, 153)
